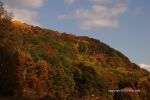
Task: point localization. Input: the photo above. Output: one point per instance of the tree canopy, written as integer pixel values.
(5, 19)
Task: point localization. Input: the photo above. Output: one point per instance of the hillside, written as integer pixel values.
(42, 64)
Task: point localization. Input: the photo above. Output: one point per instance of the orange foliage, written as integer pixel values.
(144, 84)
(41, 69)
(24, 56)
(39, 87)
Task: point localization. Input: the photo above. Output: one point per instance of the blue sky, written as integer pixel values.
(122, 24)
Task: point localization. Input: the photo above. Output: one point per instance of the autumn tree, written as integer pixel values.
(41, 69)
(144, 85)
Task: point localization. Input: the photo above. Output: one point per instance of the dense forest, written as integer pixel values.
(42, 64)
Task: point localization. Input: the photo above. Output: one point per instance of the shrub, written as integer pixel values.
(90, 82)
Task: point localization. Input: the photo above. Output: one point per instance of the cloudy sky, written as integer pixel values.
(122, 24)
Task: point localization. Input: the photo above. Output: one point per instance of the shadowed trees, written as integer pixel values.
(5, 20)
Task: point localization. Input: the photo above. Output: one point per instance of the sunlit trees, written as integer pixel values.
(38, 63)
(41, 69)
(24, 69)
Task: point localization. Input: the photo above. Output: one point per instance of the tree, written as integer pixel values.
(5, 19)
(41, 70)
(144, 85)
(8, 69)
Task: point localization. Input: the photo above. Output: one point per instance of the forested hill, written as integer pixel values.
(37, 63)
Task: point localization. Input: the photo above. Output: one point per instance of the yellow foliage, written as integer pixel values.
(17, 23)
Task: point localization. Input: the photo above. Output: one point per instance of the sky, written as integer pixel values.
(122, 24)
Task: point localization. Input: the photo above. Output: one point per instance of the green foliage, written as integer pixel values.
(124, 78)
(35, 40)
(84, 47)
(89, 81)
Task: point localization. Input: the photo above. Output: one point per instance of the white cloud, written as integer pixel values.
(69, 2)
(23, 3)
(98, 11)
(90, 24)
(145, 66)
(24, 10)
(98, 15)
(101, 1)
(25, 16)
(64, 17)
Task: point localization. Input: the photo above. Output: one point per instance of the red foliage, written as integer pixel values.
(37, 84)
(49, 50)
